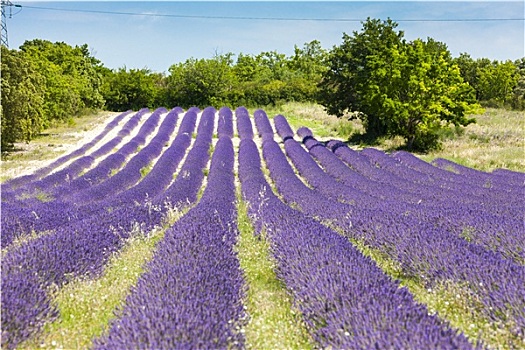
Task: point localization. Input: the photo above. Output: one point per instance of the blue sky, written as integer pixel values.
(149, 40)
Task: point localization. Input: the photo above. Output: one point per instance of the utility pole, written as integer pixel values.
(6, 3)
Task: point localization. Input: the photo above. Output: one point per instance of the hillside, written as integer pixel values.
(228, 229)
(495, 141)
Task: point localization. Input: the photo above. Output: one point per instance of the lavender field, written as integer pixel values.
(372, 249)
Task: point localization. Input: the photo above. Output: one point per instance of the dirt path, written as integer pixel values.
(53, 143)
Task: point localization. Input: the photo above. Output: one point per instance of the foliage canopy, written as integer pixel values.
(23, 90)
(132, 89)
(497, 84)
(43, 82)
(410, 89)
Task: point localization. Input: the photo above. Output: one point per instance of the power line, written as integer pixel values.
(168, 15)
(4, 40)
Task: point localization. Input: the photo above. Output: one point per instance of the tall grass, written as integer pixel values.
(496, 140)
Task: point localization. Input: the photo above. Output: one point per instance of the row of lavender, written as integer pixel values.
(17, 182)
(345, 299)
(492, 217)
(82, 237)
(467, 233)
(191, 295)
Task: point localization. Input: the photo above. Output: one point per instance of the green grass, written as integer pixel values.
(273, 323)
(146, 169)
(23, 238)
(87, 306)
(37, 194)
(211, 149)
(205, 172)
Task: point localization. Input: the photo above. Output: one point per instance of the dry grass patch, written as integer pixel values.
(314, 117)
(497, 140)
(55, 141)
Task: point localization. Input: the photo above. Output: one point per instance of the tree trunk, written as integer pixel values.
(410, 142)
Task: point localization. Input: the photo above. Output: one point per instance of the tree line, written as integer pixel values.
(395, 86)
(44, 82)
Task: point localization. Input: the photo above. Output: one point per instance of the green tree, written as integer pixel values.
(496, 82)
(468, 68)
(309, 60)
(518, 93)
(410, 89)
(72, 77)
(345, 82)
(248, 73)
(133, 89)
(307, 66)
(267, 78)
(260, 78)
(202, 82)
(432, 95)
(23, 91)
(271, 77)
